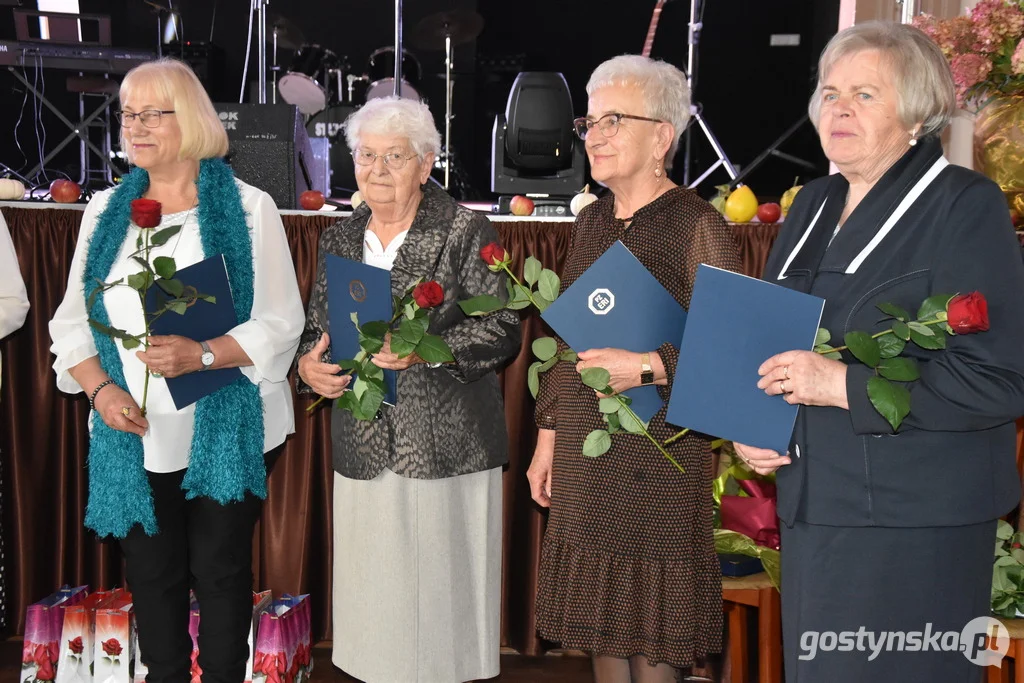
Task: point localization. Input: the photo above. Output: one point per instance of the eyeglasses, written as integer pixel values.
(607, 124)
(150, 117)
(393, 160)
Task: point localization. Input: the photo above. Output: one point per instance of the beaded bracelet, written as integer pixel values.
(92, 399)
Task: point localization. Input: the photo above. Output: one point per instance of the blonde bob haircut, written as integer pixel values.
(171, 83)
(917, 67)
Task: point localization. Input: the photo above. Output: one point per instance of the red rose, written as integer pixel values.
(293, 669)
(76, 645)
(494, 253)
(303, 654)
(27, 653)
(112, 647)
(968, 313)
(146, 213)
(257, 663)
(428, 294)
(44, 666)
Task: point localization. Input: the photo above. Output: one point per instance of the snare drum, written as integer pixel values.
(311, 83)
(381, 71)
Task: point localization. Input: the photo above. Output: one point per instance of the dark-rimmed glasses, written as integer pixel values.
(150, 117)
(607, 124)
(395, 160)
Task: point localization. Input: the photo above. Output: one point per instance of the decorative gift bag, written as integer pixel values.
(283, 653)
(44, 621)
(747, 533)
(78, 638)
(115, 641)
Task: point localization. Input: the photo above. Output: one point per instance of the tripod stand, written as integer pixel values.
(696, 115)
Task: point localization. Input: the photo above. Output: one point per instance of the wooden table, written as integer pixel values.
(995, 674)
(738, 596)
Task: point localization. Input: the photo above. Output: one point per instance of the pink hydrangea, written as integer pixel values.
(953, 36)
(1017, 61)
(968, 71)
(995, 22)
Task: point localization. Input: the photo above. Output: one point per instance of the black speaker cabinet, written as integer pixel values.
(270, 150)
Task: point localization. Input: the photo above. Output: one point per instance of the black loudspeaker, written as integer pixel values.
(270, 150)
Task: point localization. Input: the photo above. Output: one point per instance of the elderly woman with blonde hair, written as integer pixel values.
(417, 492)
(181, 488)
(628, 569)
(888, 532)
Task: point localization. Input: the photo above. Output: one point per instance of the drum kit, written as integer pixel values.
(326, 89)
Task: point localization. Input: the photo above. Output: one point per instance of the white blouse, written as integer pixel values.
(374, 253)
(270, 337)
(13, 298)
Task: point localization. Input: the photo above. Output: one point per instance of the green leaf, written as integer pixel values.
(140, 281)
(370, 344)
(518, 304)
(937, 340)
(597, 443)
(890, 345)
(609, 405)
(895, 311)
(864, 348)
(533, 378)
(410, 311)
(900, 329)
(178, 307)
(175, 288)
(630, 422)
(1004, 530)
(400, 346)
(822, 337)
(412, 330)
(595, 378)
(354, 317)
(370, 401)
(569, 356)
(544, 348)
(103, 329)
(899, 369)
(548, 364)
(892, 401)
(130, 343)
(933, 305)
(532, 270)
(160, 237)
(541, 303)
(143, 262)
(370, 370)
(164, 267)
(548, 284)
(481, 305)
(614, 426)
(921, 329)
(376, 328)
(433, 349)
(349, 365)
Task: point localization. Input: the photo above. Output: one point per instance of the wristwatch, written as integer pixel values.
(207, 357)
(646, 373)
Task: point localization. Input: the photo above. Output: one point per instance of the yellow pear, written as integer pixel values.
(788, 196)
(741, 206)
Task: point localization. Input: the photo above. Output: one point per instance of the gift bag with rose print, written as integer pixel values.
(43, 623)
(114, 651)
(78, 638)
(283, 652)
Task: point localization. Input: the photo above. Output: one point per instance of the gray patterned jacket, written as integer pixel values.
(449, 420)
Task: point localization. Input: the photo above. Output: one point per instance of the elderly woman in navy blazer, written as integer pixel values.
(892, 531)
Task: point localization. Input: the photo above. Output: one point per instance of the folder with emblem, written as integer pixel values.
(355, 287)
(735, 324)
(201, 321)
(617, 303)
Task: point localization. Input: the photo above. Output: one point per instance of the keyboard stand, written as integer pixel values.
(79, 130)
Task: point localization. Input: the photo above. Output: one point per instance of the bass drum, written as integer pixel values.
(311, 83)
(385, 87)
(381, 72)
(328, 124)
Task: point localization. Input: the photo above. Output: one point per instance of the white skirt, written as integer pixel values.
(417, 577)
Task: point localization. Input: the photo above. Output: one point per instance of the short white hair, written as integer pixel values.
(665, 91)
(919, 71)
(395, 116)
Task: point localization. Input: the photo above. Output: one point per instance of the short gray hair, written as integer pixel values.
(665, 91)
(920, 72)
(395, 116)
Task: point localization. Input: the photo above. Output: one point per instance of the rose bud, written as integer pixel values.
(967, 313)
(146, 213)
(428, 294)
(494, 255)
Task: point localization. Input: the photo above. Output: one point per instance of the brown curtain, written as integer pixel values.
(44, 443)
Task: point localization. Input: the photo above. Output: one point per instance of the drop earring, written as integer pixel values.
(913, 137)
(657, 171)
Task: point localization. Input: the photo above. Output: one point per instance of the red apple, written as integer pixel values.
(769, 213)
(311, 200)
(65, 191)
(521, 206)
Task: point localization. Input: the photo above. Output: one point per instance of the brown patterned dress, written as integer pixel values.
(628, 565)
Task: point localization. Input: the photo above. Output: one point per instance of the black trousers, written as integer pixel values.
(201, 545)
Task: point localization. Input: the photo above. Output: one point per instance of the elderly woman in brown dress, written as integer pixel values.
(628, 568)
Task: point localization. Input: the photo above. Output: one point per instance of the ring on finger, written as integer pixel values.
(156, 374)
(126, 411)
(782, 386)
(785, 372)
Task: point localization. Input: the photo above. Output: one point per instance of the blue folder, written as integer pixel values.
(616, 303)
(201, 321)
(735, 324)
(354, 287)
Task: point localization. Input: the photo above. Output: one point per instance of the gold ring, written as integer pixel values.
(782, 386)
(126, 411)
(156, 374)
(785, 371)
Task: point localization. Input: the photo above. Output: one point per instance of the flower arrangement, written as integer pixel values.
(985, 49)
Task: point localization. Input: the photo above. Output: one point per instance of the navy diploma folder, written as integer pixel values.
(355, 287)
(201, 321)
(735, 324)
(617, 303)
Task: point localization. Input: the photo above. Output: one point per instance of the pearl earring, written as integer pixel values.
(657, 171)
(913, 138)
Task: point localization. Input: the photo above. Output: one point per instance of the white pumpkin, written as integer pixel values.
(357, 199)
(583, 198)
(11, 189)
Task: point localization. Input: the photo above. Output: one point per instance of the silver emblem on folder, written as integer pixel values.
(601, 301)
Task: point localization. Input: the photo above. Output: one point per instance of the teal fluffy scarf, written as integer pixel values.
(226, 458)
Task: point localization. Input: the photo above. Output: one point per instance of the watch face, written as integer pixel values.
(646, 378)
(207, 358)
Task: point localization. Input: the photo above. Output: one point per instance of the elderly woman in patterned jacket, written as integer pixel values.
(417, 492)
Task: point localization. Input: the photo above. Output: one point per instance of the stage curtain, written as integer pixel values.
(44, 443)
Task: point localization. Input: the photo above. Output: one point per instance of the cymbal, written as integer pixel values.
(289, 37)
(462, 25)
